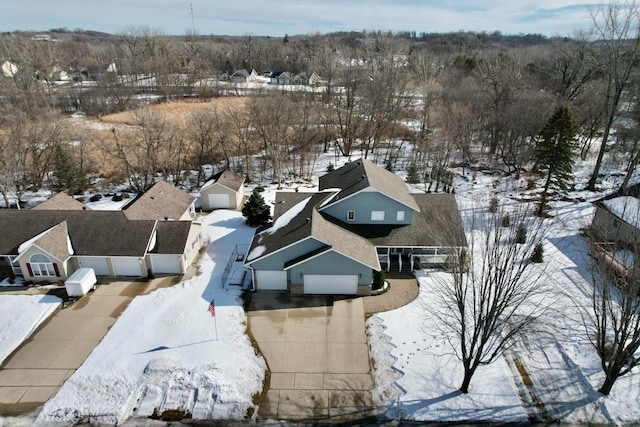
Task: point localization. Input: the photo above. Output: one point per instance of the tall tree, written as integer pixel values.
(494, 295)
(555, 152)
(617, 25)
(613, 324)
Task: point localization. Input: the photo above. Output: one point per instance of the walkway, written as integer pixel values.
(403, 289)
(39, 367)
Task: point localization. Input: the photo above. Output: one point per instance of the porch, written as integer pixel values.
(408, 259)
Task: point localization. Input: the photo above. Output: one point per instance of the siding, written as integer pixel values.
(366, 202)
(219, 189)
(338, 265)
(604, 226)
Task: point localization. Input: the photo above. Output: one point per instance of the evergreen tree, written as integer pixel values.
(555, 150)
(67, 175)
(256, 210)
(412, 174)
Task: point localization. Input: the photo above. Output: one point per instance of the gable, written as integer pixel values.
(363, 203)
(162, 201)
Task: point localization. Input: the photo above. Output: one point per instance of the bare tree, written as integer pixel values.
(617, 27)
(494, 295)
(613, 324)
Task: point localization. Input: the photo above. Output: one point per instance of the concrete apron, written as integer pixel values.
(318, 357)
(37, 369)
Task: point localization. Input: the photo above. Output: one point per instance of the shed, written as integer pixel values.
(225, 190)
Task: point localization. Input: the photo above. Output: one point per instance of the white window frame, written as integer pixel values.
(377, 215)
(351, 215)
(400, 216)
(42, 268)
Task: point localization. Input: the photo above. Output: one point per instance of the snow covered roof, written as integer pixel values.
(626, 208)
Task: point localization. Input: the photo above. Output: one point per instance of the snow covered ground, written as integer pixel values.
(20, 315)
(417, 375)
(166, 351)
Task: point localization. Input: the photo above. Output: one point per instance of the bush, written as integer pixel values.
(259, 189)
(412, 174)
(537, 255)
(117, 197)
(521, 233)
(330, 167)
(95, 198)
(493, 204)
(378, 279)
(506, 221)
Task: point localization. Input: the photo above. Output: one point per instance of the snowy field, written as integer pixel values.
(166, 352)
(20, 315)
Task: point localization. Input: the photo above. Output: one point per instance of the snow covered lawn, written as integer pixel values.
(164, 353)
(20, 315)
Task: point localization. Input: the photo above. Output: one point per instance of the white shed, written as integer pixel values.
(225, 190)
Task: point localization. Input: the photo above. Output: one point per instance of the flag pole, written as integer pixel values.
(215, 319)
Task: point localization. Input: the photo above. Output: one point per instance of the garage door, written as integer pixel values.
(217, 201)
(271, 280)
(330, 284)
(165, 264)
(126, 266)
(98, 264)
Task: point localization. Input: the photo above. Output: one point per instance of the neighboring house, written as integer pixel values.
(617, 220)
(362, 220)
(225, 190)
(163, 201)
(281, 78)
(50, 242)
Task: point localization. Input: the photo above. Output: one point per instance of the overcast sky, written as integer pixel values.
(275, 18)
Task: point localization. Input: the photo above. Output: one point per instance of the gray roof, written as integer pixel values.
(61, 202)
(171, 237)
(437, 224)
(55, 242)
(162, 201)
(226, 178)
(92, 233)
(310, 223)
(361, 174)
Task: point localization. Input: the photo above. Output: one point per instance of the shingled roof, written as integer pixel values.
(362, 174)
(171, 237)
(54, 241)
(92, 233)
(225, 178)
(308, 222)
(61, 202)
(162, 201)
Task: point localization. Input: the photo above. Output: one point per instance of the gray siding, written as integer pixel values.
(364, 203)
(277, 260)
(331, 263)
(609, 227)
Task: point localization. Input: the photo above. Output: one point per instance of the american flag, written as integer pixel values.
(212, 308)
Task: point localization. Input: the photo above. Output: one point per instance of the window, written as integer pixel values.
(377, 215)
(41, 266)
(351, 215)
(400, 216)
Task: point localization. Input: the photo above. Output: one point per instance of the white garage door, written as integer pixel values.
(217, 201)
(126, 266)
(165, 264)
(271, 280)
(98, 264)
(330, 284)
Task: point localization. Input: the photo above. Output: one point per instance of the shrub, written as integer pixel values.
(412, 174)
(378, 279)
(537, 255)
(259, 189)
(493, 204)
(506, 221)
(95, 198)
(117, 197)
(521, 233)
(330, 167)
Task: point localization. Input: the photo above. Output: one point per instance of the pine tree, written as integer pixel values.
(256, 210)
(67, 176)
(412, 174)
(555, 150)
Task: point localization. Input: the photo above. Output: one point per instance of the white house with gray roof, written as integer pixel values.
(361, 221)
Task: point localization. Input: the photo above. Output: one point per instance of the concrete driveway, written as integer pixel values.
(39, 367)
(317, 352)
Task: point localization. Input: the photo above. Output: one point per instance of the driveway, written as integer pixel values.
(316, 349)
(39, 367)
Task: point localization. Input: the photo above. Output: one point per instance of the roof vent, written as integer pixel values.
(363, 177)
(307, 219)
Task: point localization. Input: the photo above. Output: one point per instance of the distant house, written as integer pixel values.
(50, 242)
(225, 190)
(617, 220)
(244, 76)
(363, 220)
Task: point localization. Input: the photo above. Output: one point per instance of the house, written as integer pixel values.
(50, 242)
(163, 201)
(225, 190)
(361, 221)
(617, 219)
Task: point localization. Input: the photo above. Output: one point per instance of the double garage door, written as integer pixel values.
(313, 283)
(122, 266)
